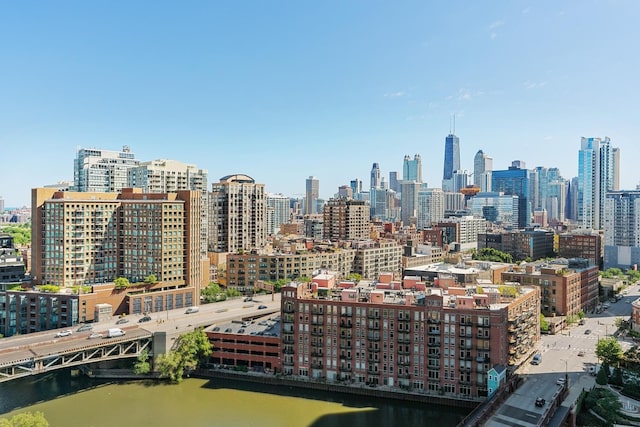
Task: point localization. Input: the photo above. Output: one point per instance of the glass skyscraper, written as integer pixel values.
(514, 181)
(598, 164)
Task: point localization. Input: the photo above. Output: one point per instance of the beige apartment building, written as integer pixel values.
(92, 238)
(346, 219)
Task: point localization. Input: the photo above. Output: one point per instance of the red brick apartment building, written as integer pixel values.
(439, 341)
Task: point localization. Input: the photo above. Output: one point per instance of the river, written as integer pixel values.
(83, 402)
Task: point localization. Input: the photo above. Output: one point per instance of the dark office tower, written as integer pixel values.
(451, 155)
(375, 176)
(515, 182)
(356, 187)
(412, 169)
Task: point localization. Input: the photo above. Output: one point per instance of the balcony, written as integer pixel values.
(288, 363)
(405, 376)
(373, 349)
(464, 382)
(373, 315)
(316, 353)
(288, 309)
(404, 362)
(483, 337)
(317, 333)
(346, 314)
(316, 365)
(481, 359)
(372, 371)
(318, 322)
(345, 369)
(465, 369)
(288, 351)
(346, 325)
(404, 340)
(434, 332)
(433, 343)
(404, 352)
(287, 319)
(373, 337)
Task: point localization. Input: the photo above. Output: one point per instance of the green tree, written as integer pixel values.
(633, 275)
(602, 378)
(212, 293)
(121, 283)
(616, 378)
(151, 279)
(611, 273)
(508, 290)
(354, 276)
(544, 324)
(491, 254)
(581, 314)
(25, 419)
(142, 365)
(191, 349)
(21, 233)
(609, 351)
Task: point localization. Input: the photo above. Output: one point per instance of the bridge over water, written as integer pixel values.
(33, 359)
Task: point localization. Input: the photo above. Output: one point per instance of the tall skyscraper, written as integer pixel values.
(451, 156)
(598, 169)
(622, 229)
(412, 169)
(103, 171)
(237, 214)
(430, 207)
(311, 196)
(409, 201)
(356, 187)
(515, 181)
(278, 212)
(394, 182)
(375, 176)
(482, 163)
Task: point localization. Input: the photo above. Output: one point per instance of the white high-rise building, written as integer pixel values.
(482, 165)
(598, 173)
(311, 196)
(278, 212)
(622, 229)
(430, 207)
(166, 176)
(102, 171)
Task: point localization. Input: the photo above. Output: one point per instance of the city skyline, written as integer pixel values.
(283, 92)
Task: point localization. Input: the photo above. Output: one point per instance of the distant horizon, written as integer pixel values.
(281, 91)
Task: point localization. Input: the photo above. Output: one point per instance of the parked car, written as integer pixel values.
(122, 320)
(587, 331)
(84, 328)
(228, 330)
(561, 381)
(144, 319)
(540, 402)
(216, 329)
(581, 353)
(94, 336)
(262, 307)
(64, 333)
(582, 322)
(537, 359)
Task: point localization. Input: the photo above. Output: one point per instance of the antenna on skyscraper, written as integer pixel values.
(454, 124)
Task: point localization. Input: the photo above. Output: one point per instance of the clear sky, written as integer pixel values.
(281, 90)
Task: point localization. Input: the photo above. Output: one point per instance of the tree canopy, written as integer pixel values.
(491, 254)
(21, 233)
(609, 351)
(121, 283)
(25, 419)
(190, 349)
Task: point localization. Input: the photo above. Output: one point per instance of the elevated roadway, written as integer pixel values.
(41, 352)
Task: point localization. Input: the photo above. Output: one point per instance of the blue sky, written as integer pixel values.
(281, 90)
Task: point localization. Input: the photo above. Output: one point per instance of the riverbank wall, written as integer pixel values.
(359, 390)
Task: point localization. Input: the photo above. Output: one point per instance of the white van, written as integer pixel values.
(192, 310)
(115, 332)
